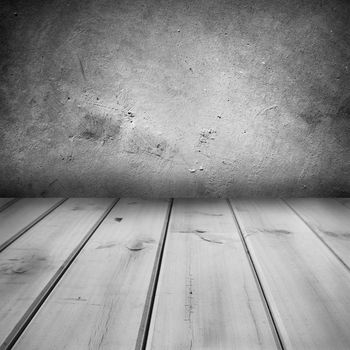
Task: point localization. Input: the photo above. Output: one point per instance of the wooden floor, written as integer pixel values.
(174, 274)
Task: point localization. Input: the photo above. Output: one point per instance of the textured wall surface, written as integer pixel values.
(175, 98)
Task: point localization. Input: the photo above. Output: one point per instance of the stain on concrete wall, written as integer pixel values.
(175, 98)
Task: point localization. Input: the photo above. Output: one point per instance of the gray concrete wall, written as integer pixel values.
(175, 98)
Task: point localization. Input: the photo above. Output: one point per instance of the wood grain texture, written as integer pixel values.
(5, 202)
(22, 215)
(307, 287)
(330, 220)
(207, 297)
(31, 262)
(99, 302)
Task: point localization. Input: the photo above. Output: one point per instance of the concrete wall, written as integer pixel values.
(175, 98)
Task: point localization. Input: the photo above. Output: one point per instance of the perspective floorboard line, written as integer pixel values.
(307, 287)
(207, 297)
(31, 263)
(6, 202)
(22, 215)
(258, 282)
(147, 311)
(344, 201)
(99, 302)
(330, 220)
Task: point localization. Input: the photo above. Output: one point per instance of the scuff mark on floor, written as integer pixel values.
(209, 214)
(277, 231)
(107, 245)
(340, 235)
(209, 239)
(189, 298)
(138, 244)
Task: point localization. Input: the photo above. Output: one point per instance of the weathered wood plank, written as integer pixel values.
(207, 297)
(6, 202)
(22, 215)
(307, 287)
(330, 220)
(31, 263)
(99, 302)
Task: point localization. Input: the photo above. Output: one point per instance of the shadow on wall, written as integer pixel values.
(182, 188)
(175, 98)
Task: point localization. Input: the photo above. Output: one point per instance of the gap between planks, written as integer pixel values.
(307, 290)
(142, 337)
(6, 202)
(194, 276)
(14, 237)
(343, 263)
(273, 323)
(38, 302)
(123, 285)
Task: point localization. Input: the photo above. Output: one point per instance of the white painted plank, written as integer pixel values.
(207, 297)
(307, 287)
(330, 220)
(99, 302)
(21, 215)
(31, 262)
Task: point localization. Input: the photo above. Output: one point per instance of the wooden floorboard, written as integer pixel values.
(207, 297)
(307, 287)
(244, 274)
(22, 215)
(31, 263)
(6, 202)
(100, 301)
(330, 220)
